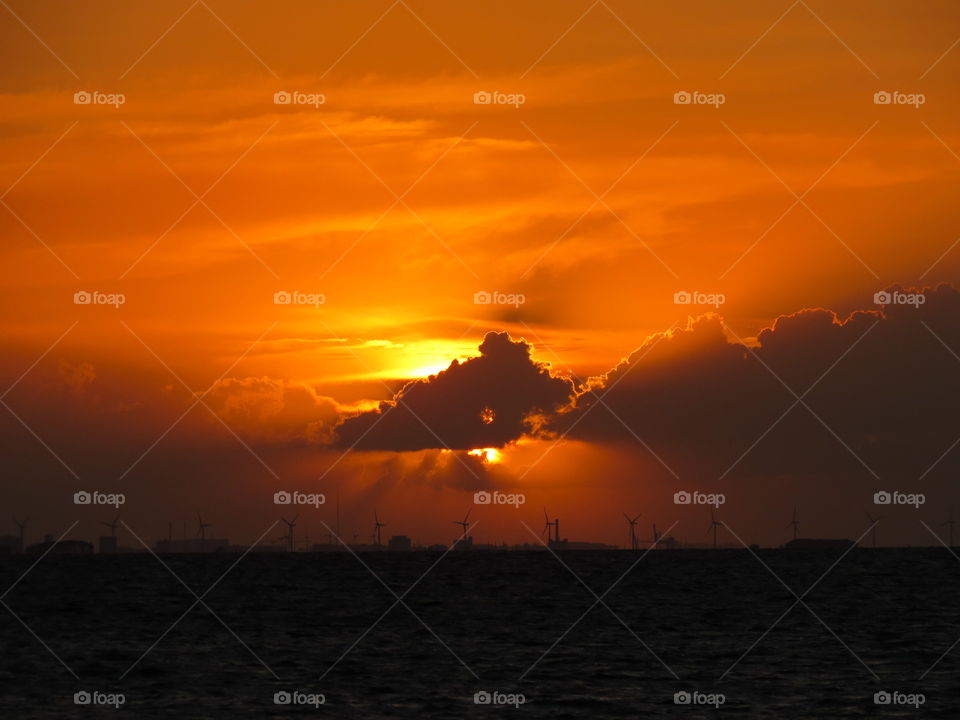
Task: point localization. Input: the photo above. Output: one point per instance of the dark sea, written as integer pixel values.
(525, 630)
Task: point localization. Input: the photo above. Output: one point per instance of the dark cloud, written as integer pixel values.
(267, 410)
(486, 401)
(883, 387)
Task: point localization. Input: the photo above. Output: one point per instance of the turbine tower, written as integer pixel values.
(112, 526)
(656, 535)
(202, 532)
(290, 525)
(554, 524)
(949, 523)
(714, 524)
(463, 523)
(23, 532)
(795, 524)
(634, 543)
(874, 522)
(376, 528)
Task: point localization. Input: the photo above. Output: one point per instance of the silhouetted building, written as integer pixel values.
(399, 542)
(64, 547)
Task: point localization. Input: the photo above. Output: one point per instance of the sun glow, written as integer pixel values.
(490, 455)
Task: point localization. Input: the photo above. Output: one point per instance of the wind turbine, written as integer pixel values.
(795, 524)
(376, 528)
(112, 526)
(873, 521)
(23, 530)
(464, 523)
(555, 524)
(656, 535)
(202, 532)
(634, 544)
(290, 525)
(714, 524)
(950, 522)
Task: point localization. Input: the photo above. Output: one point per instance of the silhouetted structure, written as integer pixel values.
(64, 547)
(553, 538)
(202, 532)
(714, 526)
(634, 543)
(109, 544)
(23, 533)
(873, 530)
(400, 543)
(290, 525)
(465, 542)
(663, 543)
(795, 524)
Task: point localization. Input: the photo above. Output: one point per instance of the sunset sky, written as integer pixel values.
(398, 198)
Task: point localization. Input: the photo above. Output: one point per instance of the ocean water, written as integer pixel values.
(519, 624)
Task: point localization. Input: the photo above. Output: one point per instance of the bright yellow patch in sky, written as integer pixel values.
(490, 455)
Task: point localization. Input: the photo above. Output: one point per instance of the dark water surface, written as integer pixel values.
(893, 613)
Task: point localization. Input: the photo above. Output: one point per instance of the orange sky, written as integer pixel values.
(597, 199)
